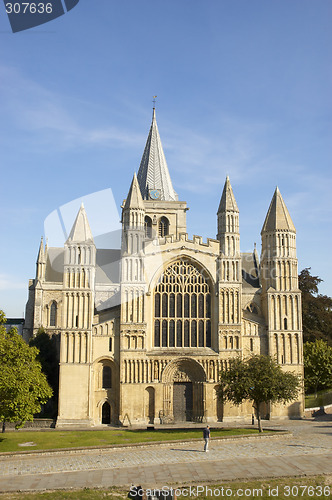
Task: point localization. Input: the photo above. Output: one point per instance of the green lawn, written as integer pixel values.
(283, 488)
(44, 440)
(323, 398)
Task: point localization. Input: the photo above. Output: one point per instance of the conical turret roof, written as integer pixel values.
(134, 198)
(153, 174)
(80, 231)
(227, 201)
(278, 216)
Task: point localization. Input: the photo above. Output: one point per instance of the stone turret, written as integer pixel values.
(229, 269)
(278, 260)
(281, 298)
(41, 262)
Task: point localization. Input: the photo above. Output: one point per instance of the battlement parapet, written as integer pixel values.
(212, 245)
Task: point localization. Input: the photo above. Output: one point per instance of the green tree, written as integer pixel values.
(23, 386)
(48, 358)
(316, 309)
(258, 379)
(317, 358)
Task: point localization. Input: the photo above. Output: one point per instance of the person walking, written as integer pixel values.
(206, 436)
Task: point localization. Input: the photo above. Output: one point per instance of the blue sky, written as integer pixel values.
(244, 89)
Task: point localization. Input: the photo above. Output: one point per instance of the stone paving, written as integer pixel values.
(307, 451)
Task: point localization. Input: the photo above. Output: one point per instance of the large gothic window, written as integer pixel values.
(182, 307)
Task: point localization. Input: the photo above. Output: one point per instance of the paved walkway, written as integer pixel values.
(308, 451)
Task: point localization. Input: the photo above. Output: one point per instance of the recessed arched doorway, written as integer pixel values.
(106, 413)
(184, 390)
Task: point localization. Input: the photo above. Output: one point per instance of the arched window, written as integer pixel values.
(183, 292)
(53, 312)
(148, 227)
(163, 226)
(107, 377)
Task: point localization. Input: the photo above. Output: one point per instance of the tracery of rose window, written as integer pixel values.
(182, 307)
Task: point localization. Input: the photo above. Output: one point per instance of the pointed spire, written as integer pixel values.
(81, 231)
(227, 202)
(153, 172)
(134, 198)
(278, 216)
(40, 258)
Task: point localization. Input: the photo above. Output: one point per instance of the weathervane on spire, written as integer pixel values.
(154, 101)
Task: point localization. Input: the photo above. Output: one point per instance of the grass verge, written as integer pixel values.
(323, 398)
(283, 488)
(35, 440)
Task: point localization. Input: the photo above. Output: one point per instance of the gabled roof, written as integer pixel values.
(227, 202)
(153, 172)
(81, 231)
(134, 198)
(278, 216)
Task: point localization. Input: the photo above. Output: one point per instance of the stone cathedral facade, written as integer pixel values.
(143, 331)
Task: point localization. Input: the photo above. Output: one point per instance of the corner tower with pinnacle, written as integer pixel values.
(229, 276)
(77, 317)
(281, 297)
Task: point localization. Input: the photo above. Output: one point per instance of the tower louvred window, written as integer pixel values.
(184, 293)
(163, 226)
(148, 227)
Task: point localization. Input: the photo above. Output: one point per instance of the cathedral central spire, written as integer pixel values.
(153, 175)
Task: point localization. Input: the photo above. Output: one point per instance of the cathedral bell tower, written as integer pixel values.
(229, 271)
(281, 297)
(164, 214)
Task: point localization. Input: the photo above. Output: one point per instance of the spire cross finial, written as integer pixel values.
(154, 101)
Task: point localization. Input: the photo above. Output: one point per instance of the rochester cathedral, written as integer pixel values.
(143, 331)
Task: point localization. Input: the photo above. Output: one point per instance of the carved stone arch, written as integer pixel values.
(183, 369)
(99, 365)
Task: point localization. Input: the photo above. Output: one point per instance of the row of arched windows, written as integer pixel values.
(79, 254)
(171, 333)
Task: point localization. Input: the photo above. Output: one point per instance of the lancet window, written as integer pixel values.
(53, 312)
(107, 377)
(182, 307)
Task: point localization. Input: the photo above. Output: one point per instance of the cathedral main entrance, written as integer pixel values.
(183, 381)
(182, 401)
